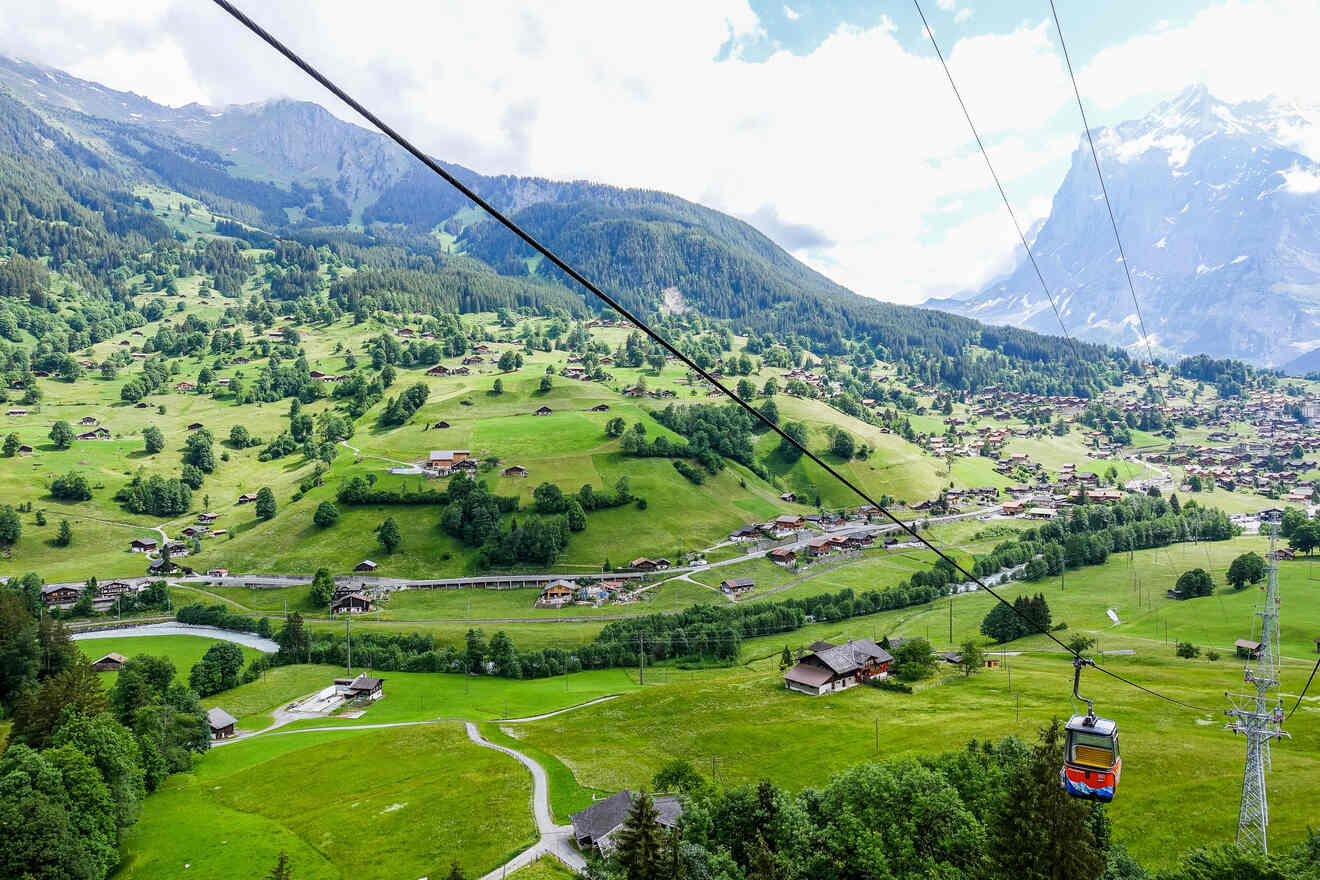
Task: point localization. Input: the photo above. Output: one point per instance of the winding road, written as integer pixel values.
(555, 840)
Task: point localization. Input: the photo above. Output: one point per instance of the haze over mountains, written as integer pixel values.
(1218, 206)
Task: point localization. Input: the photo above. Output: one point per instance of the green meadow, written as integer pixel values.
(182, 651)
(744, 727)
(397, 802)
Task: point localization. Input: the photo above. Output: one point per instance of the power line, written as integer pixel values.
(1007, 204)
(645, 328)
(1086, 126)
(1304, 690)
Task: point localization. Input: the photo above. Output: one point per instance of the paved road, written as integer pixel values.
(555, 840)
(358, 453)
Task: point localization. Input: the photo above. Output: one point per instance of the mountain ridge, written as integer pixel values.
(1219, 210)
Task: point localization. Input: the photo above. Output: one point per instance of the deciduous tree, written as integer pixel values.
(326, 514)
(61, 434)
(265, 504)
(153, 439)
(389, 535)
(1249, 568)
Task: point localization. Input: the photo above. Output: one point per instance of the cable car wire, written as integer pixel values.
(1095, 157)
(1007, 204)
(664, 343)
(1304, 690)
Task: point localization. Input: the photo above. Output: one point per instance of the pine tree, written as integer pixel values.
(673, 865)
(65, 536)
(1042, 833)
(639, 841)
(282, 870)
(786, 659)
(764, 864)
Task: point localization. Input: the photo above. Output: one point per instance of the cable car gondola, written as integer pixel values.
(1091, 763)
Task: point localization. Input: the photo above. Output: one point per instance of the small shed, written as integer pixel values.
(543, 411)
(111, 662)
(221, 722)
(365, 565)
(1247, 649)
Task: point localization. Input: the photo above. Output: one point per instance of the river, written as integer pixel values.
(183, 629)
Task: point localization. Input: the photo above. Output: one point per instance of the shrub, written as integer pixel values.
(72, 486)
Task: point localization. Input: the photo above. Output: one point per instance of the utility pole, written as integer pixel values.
(348, 635)
(1259, 715)
(950, 619)
(641, 660)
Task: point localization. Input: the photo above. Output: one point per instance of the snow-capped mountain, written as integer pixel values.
(1218, 205)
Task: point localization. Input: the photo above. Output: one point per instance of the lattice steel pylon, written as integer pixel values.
(1259, 715)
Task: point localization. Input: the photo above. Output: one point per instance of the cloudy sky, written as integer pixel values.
(827, 124)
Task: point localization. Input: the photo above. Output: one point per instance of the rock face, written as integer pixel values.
(1218, 206)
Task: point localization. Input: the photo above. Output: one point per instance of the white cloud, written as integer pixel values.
(790, 13)
(963, 16)
(856, 149)
(1240, 50)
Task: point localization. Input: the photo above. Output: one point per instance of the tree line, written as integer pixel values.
(993, 810)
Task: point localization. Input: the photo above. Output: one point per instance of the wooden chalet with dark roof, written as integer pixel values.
(60, 595)
(836, 667)
(736, 586)
(596, 827)
(364, 687)
(351, 603)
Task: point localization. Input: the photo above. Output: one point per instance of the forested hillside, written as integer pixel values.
(291, 170)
